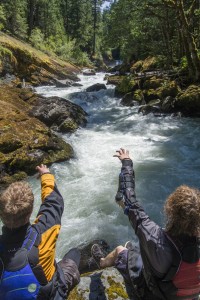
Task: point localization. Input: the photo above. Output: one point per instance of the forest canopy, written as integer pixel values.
(80, 30)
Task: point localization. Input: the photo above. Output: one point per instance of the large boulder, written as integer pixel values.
(57, 113)
(96, 87)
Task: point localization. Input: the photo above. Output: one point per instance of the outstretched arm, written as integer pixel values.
(151, 236)
(125, 196)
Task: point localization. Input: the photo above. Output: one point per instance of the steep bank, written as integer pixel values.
(33, 66)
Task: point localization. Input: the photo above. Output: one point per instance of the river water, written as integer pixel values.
(165, 152)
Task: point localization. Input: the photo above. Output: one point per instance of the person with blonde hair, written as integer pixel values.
(28, 269)
(166, 266)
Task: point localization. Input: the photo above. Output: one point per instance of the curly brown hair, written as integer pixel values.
(16, 204)
(182, 209)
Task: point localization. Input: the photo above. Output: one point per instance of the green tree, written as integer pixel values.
(16, 17)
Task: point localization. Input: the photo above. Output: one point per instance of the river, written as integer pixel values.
(165, 151)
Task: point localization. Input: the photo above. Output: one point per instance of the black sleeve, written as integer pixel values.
(152, 239)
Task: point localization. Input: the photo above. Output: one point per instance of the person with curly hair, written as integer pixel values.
(166, 266)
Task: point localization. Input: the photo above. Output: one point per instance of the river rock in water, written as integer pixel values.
(58, 113)
(96, 87)
(89, 72)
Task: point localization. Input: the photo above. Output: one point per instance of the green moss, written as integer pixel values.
(116, 289)
(138, 95)
(65, 152)
(136, 67)
(5, 52)
(168, 88)
(189, 100)
(68, 126)
(74, 295)
(150, 63)
(10, 179)
(127, 85)
(115, 79)
(153, 83)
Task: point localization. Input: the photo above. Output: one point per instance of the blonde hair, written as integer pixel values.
(16, 204)
(182, 209)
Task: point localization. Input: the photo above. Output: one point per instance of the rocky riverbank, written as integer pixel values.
(26, 138)
(156, 91)
(29, 122)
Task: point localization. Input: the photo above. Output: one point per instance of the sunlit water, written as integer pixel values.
(165, 152)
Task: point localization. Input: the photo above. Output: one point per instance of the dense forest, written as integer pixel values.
(81, 30)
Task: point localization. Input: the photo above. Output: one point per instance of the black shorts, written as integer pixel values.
(136, 288)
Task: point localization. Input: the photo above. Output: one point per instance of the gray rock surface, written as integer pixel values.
(59, 114)
(100, 285)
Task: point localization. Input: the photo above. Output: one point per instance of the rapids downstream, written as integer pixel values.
(165, 152)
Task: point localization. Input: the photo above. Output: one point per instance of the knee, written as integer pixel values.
(119, 249)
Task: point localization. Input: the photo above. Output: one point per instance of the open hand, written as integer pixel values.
(42, 169)
(122, 154)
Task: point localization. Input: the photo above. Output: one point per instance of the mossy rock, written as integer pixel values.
(68, 126)
(152, 83)
(102, 284)
(115, 290)
(169, 88)
(138, 95)
(8, 179)
(137, 66)
(151, 94)
(127, 85)
(115, 79)
(25, 141)
(62, 153)
(149, 64)
(152, 107)
(188, 102)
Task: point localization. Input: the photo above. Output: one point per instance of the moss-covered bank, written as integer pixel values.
(25, 141)
(33, 66)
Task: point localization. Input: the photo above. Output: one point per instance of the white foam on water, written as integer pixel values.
(165, 152)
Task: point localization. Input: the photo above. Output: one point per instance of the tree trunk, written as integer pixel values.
(94, 27)
(31, 15)
(190, 46)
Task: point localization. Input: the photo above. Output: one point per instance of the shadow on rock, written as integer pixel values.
(97, 289)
